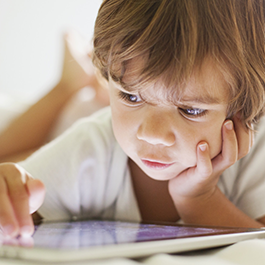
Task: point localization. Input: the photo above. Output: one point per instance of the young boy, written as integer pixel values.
(186, 82)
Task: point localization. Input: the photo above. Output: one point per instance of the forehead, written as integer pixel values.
(205, 85)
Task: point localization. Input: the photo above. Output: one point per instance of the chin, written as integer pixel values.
(160, 176)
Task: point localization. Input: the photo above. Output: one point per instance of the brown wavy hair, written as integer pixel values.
(175, 37)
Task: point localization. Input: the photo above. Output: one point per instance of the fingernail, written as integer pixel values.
(8, 230)
(26, 231)
(229, 125)
(26, 241)
(203, 146)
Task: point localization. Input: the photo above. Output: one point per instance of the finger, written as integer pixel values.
(19, 198)
(26, 242)
(244, 137)
(8, 221)
(36, 191)
(204, 163)
(10, 241)
(229, 153)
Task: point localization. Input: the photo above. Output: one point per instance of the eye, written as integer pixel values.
(193, 112)
(130, 98)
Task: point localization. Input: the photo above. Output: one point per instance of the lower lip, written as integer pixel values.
(155, 165)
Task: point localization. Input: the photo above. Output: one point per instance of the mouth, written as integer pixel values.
(156, 165)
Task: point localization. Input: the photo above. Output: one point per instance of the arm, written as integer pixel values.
(29, 131)
(195, 192)
(215, 210)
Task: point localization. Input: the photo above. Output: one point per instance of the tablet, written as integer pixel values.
(97, 239)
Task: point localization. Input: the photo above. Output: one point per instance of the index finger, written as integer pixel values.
(8, 221)
(19, 200)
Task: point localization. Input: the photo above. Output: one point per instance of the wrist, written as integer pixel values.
(186, 197)
(196, 209)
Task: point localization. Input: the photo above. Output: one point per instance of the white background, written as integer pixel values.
(31, 42)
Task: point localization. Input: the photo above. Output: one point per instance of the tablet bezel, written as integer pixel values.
(227, 235)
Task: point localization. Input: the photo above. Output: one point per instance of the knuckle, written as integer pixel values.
(19, 194)
(12, 174)
(230, 161)
(11, 169)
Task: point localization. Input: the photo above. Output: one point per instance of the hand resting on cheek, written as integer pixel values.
(199, 183)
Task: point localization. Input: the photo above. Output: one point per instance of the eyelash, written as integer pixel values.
(128, 97)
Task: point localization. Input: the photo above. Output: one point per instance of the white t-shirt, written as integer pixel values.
(86, 175)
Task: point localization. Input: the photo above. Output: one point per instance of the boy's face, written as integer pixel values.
(161, 138)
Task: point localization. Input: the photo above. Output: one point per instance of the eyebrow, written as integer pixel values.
(203, 99)
(198, 99)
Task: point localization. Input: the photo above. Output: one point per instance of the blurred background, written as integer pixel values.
(31, 42)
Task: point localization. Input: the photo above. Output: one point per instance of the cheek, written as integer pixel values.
(116, 119)
(211, 134)
(117, 126)
(122, 127)
(214, 139)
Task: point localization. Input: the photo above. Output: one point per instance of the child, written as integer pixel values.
(186, 82)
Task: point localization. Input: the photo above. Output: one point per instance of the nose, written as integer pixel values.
(156, 128)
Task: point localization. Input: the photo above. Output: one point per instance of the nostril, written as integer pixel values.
(157, 137)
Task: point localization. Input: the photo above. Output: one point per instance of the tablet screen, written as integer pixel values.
(82, 234)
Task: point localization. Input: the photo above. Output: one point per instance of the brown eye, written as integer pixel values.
(129, 97)
(193, 112)
(132, 98)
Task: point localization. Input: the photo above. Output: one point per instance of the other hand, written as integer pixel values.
(201, 180)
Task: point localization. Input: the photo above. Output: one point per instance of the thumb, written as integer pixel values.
(36, 191)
